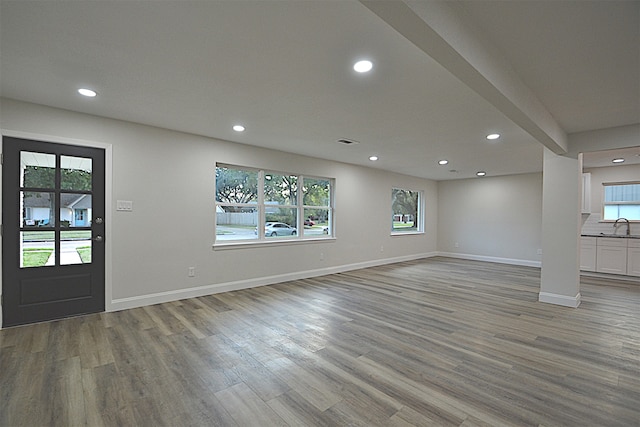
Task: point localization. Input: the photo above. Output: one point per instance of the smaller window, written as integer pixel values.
(621, 200)
(406, 211)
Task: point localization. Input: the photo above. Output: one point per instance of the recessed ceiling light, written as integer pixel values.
(493, 136)
(238, 128)
(373, 158)
(481, 173)
(87, 92)
(363, 66)
(443, 162)
(619, 160)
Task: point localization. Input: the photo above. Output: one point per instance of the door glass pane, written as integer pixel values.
(75, 210)
(75, 247)
(75, 173)
(37, 248)
(37, 209)
(37, 170)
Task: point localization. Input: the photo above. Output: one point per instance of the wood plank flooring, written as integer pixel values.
(435, 342)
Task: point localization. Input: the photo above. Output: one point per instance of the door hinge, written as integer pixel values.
(1, 158)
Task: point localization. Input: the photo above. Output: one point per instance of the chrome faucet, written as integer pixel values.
(615, 225)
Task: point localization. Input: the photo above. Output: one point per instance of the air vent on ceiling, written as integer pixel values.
(345, 141)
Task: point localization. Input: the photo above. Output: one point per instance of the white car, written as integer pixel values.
(272, 229)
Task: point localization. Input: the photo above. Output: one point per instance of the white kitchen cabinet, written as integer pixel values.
(633, 258)
(586, 193)
(611, 255)
(588, 253)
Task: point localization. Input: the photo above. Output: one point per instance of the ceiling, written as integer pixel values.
(604, 158)
(283, 69)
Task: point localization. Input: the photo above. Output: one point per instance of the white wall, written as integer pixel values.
(169, 176)
(491, 218)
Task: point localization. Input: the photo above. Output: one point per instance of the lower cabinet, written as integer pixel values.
(633, 258)
(611, 256)
(588, 253)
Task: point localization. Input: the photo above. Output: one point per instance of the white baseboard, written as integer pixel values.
(178, 294)
(563, 300)
(512, 261)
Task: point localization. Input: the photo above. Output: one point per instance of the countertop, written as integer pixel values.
(617, 236)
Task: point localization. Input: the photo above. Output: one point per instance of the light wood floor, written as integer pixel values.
(423, 343)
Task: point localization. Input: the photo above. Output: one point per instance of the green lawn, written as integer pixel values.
(399, 224)
(85, 254)
(46, 236)
(35, 257)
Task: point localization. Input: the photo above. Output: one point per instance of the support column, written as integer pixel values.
(561, 222)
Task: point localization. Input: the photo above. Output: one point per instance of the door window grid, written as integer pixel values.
(50, 245)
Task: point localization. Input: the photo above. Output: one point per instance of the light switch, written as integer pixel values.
(124, 205)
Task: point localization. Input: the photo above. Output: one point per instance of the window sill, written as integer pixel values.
(407, 233)
(262, 243)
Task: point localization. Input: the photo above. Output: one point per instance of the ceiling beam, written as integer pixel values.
(604, 139)
(448, 37)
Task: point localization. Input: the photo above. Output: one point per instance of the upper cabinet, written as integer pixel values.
(586, 193)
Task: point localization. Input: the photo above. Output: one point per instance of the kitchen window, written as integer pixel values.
(621, 200)
(255, 205)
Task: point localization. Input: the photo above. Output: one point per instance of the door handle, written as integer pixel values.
(98, 239)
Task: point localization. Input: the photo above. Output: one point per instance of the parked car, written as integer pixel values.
(309, 222)
(279, 229)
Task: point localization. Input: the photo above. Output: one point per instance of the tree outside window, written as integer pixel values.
(406, 215)
(236, 204)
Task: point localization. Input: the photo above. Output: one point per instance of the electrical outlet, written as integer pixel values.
(539, 251)
(381, 248)
(321, 256)
(192, 272)
(457, 245)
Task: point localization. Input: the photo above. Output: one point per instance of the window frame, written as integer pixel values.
(605, 203)
(261, 205)
(420, 209)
